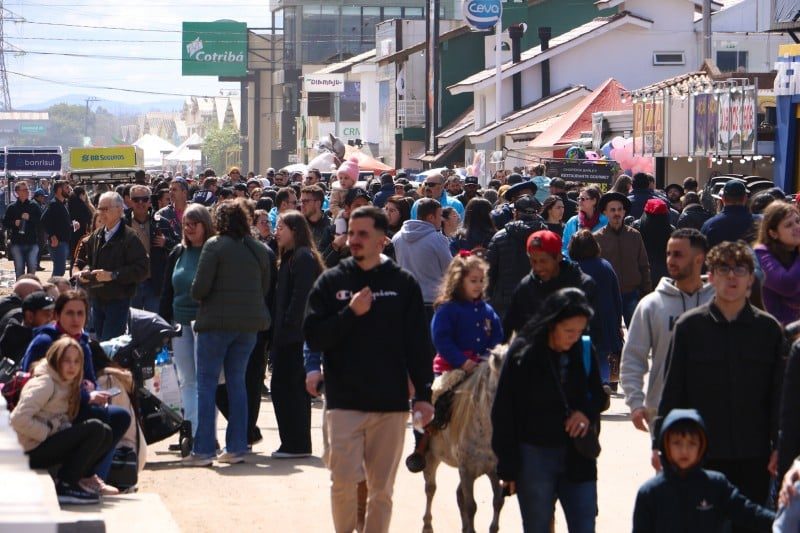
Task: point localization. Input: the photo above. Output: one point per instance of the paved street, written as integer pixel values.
(280, 495)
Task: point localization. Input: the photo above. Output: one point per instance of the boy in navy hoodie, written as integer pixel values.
(686, 498)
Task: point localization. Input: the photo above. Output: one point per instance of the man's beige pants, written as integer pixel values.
(364, 446)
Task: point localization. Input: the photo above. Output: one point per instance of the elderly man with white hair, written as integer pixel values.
(116, 262)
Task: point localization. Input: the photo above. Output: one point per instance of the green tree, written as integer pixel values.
(215, 145)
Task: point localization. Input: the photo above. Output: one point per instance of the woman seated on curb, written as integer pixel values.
(47, 427)
(71, 311)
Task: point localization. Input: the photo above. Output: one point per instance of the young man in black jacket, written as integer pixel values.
(58, 226)
(22, 218)
(726, 361)
(367, 318)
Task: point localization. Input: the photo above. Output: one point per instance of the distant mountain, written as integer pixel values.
(114, 107)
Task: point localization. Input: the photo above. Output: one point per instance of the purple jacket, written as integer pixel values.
(781, 287)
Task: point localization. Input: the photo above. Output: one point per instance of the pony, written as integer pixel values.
(466, 444)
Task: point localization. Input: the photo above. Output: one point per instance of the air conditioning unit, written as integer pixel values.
(669, 58)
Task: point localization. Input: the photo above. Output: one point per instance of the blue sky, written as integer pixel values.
(159, 76)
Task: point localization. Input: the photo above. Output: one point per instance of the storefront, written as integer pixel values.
(787, 98)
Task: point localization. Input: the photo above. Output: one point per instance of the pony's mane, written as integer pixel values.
(473, 392)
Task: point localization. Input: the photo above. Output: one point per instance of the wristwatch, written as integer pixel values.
(114, 275)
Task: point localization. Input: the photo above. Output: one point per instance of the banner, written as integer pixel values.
(214, 49)
(323, 83)
(106, 158)
(737, 116)
(749, 125)
(704, 125)
(679, 127)
(33, 162)
(581, 171)
(648, 127)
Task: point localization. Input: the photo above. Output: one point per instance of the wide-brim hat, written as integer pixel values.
(614, 197)
(516, 189)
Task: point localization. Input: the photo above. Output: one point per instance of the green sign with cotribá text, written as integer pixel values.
(214, 48)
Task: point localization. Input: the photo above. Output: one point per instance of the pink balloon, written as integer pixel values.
(618, 142)
(615, 153)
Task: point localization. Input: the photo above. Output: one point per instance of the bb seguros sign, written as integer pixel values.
(105, 158)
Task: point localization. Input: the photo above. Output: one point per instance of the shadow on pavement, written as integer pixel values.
(615, 417)
(255, 464)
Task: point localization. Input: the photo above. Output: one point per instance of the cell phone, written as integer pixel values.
(114, 391)
(321, 386)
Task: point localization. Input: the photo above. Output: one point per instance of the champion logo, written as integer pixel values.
(704, 505)
(344, 295)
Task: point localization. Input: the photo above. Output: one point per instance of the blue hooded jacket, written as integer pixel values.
(693, 500)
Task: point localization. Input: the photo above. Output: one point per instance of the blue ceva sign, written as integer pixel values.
(33, 162)
(482, 15)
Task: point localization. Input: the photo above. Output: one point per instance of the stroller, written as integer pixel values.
(149, 334)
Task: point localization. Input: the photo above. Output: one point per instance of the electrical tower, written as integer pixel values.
(6, 103)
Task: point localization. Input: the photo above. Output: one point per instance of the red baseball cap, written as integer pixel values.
(656, 207)
(544, 241)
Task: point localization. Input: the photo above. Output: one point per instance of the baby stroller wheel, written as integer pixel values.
(186, 446)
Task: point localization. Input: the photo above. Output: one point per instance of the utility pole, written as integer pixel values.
(88, 100)
(706, 29)
(6, 95)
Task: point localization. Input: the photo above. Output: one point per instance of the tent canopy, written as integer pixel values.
(155, 148)
(366, 162)
(187, 152)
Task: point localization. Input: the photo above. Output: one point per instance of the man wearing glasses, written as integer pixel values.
(22, 218)
(311, 199)
(116, 262)
(726, 361)
(434, 188)
(155, 242)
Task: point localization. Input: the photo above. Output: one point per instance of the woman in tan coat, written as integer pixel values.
(43, 418)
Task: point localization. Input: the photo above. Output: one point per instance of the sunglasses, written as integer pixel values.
(140, 199)
(431, 184)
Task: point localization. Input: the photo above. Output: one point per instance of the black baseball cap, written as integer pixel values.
(36, 301)
(356, 193)
(526, 207)
(471, 180)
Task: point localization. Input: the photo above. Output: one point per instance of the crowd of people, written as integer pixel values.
(371, 292)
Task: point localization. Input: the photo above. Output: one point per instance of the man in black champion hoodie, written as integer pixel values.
(367, 317)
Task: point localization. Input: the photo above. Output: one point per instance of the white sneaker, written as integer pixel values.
(197, 460)
(230, 458)
(278, 454)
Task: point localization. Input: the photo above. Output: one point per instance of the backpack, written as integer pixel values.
(586, 341)
(12, 389)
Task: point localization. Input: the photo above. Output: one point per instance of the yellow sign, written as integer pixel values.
(785, 50)
(106, 158)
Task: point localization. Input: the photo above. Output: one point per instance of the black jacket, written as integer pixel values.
(789, 440)
(386, 192)
(57, 221)
(528, 407)
(693, 216)
(655, 230)
(14, 212)
(15, 340)
(695, 501)
(79, 211)
(531, 292)
(158, 256)
(369, 359)
(320, 231)
(508, 261)
(296, 275)
(731, 372)
(124, 255)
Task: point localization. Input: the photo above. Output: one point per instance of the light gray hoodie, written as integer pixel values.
(650, 336)
(425, 253)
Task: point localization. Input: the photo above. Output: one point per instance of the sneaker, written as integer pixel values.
(197, 460)
(280, 454)
(69, 494)
(230, 458)
(97, 486)
(607, 389)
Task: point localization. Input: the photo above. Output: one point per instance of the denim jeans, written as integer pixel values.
(542, 479)
(217, 350)
(25, 255)
(146, 297)
(58, 256)
(629, 302)
(184, 353)
(110, 318)
(117, 418)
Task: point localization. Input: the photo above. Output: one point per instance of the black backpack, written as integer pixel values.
(124, 473)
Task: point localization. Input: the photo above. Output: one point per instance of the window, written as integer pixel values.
(319, 32)
(732, 61)
(414, 13)
(392, 13)
(668, 58)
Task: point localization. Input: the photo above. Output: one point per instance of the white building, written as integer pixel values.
(646, 41)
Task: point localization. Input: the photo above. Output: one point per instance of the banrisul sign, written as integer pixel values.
(214, 48)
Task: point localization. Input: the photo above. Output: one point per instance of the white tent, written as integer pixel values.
(187, 152)
(155, 148)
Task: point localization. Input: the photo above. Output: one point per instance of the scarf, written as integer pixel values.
(588, 223)
(76, 337)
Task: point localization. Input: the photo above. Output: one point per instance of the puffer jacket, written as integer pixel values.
(508, 261)
(43, 407)
(693, 216)
(231, 284)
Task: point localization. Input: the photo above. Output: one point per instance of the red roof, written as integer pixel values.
(607, 97)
